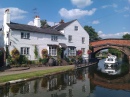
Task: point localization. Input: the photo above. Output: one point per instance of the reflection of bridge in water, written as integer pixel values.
(122, 83)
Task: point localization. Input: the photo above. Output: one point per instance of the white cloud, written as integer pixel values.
(126, 8)
(115, 35)
(82, 3)
(15, 13)
(95, 22)
(31, 23)
(112, 5)
(75, 13)
(129, 1)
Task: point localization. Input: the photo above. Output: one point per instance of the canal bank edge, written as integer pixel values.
(43, 75)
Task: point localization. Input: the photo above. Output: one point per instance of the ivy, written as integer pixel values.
(36, 52)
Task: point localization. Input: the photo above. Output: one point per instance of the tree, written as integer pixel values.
(15, 55)
(36, 52)
(126, 36)
(92, 33)
(44, 24)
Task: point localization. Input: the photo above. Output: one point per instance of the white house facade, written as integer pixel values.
(69, 36)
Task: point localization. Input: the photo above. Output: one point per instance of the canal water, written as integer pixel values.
(85, 82)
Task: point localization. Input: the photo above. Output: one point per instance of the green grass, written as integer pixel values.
(33, 74)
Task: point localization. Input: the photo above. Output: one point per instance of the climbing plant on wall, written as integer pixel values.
(36, 52)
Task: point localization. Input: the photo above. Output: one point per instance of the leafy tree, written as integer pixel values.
(92, 33)
(44, 24)
(126, 36)
(115, 52)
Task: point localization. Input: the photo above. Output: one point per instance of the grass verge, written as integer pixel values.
(34, 73)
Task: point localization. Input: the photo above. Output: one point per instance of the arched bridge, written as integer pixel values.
(120, 44)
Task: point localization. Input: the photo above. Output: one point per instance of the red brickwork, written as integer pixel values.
(111, 41)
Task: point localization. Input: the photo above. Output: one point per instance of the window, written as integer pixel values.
(83, 50)
(52, 50)
(25, 35)
(70, 38)
(54, 38)
(75, 28)
(83, 40)
(72, 51)
(24, 50)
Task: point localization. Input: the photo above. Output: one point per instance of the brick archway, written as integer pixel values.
(120, 44)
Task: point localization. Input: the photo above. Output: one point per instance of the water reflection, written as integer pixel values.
(83, 82)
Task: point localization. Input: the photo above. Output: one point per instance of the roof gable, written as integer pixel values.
(63, 25)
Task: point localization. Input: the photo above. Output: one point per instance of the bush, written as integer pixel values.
(23, 59)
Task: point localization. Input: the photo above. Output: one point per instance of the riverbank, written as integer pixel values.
(14, 76)
(7, 76)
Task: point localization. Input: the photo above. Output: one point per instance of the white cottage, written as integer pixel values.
(69, 36)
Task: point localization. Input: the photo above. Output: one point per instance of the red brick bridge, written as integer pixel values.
(120, 44)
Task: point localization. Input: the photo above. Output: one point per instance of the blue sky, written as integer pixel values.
(110, 18)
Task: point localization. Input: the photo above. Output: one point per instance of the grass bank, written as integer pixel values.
(34, 73)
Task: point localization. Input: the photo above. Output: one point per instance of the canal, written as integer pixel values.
(85, 82)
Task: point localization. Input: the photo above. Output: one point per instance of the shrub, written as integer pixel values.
(15, 55)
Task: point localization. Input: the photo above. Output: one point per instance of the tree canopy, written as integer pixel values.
(93, 35)
(44, 24)
(126, 36)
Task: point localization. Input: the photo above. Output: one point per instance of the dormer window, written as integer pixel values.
(76, 28)
(25, 35)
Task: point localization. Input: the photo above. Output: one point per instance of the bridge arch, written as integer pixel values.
(120, 44)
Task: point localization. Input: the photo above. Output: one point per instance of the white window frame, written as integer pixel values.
(83, 40)
(71, 51)
(52, 50)
(25, 35)
(76, 28)
(54, 38)
(25, 50)
(70, 38)
(83, 50)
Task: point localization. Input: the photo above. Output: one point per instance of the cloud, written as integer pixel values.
(82, 3)
(31, 23)
(125, 9)
(75, 13)
(129, 1)
(112, 5)
(115, 35)
(15, 13)
(95, 22)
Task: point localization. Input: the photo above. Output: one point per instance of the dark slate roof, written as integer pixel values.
(23, 27)
(63, 25)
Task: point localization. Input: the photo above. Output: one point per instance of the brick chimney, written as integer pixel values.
(37, 21)
(61, 22)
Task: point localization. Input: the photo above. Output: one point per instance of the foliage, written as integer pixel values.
(44, 56)
(126, 36)
(44, 53)
(36, 52)
(115, 52)
(15, 54)
(92, 33)
(23, 59)
(59, 51)
(44, 24)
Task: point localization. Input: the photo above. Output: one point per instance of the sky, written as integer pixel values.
(109, 18)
